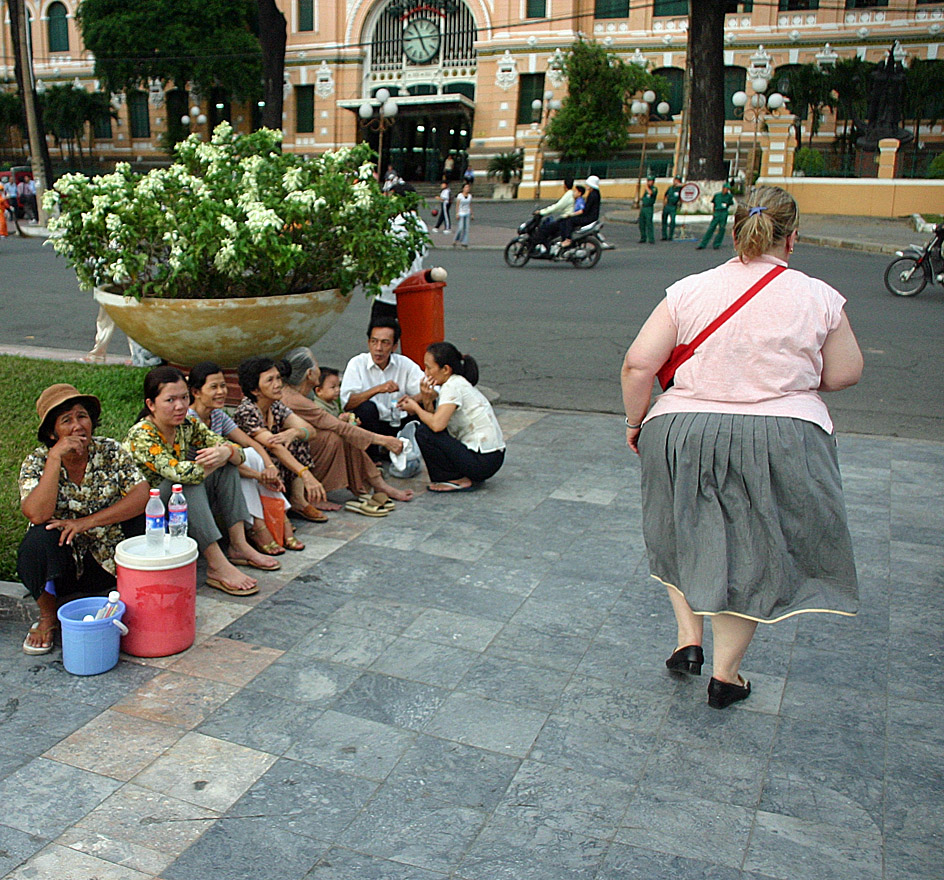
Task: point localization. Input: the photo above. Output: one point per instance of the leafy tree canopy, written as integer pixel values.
(204, 42)
(594, 118)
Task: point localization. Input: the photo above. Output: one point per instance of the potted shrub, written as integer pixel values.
(235, 249)
(505, 167)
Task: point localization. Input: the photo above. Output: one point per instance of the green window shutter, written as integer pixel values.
(304, 109)
(670, 7)
(138, 114)
(735, 80)
(306, 15)
(103, 128)
(530, 86)
(611, 9)
(798, 5)
(536, 9)
(58, 28)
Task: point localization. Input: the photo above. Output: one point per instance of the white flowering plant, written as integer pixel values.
(234, 217)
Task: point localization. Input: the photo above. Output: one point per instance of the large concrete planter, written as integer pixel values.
(187, 331)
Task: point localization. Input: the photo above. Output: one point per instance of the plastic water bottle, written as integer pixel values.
(177, 514)
(154, 524)
(110, 608)
(396, 414)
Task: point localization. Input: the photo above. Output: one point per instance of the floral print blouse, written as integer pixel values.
(110, 474)
(161, 461)
(249, 417)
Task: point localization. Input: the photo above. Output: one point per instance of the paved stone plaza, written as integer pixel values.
(474, 688)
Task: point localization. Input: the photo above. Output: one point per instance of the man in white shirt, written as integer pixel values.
(552, 214)
(376, 379)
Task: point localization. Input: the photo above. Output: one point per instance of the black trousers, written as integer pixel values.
(41, 559)
(371, 421)
(449, 459)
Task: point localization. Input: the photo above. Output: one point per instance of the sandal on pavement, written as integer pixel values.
(269, 548)
(367, 508)
(448, 486)
(379, 499)
(232, 591)
(39, 649)
(242, 561)
(309, 512)
(292, 543)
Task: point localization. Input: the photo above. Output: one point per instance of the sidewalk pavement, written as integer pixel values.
(882, 235)
(473, 688)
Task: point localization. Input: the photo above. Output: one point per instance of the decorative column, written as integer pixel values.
(888, 152)
(780, 138)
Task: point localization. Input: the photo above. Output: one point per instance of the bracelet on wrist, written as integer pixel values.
(305, 468)
(631, 427)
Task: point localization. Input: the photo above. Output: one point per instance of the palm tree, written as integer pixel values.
(506, 166)
(849, 81)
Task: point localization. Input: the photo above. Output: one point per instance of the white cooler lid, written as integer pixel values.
(133, 553)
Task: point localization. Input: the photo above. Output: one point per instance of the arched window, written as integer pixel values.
(58, 27)
(735, 79)
(675, 77)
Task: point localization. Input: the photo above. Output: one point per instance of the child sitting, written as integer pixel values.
(328, 394)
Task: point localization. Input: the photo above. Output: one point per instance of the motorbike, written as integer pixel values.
(587, 244)
(914, 267)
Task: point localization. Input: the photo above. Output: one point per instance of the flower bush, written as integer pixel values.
(234, 217)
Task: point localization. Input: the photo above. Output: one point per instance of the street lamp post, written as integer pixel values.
(542, 110)
(755, 109)
(194, 116)
(385, 118)
(642, 111)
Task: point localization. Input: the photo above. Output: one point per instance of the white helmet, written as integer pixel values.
(593, 181)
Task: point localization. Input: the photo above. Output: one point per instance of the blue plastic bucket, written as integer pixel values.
(89, 647)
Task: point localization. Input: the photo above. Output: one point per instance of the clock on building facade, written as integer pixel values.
(421, 39)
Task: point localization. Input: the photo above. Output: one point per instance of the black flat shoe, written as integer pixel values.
(721, 694)
(688, 659)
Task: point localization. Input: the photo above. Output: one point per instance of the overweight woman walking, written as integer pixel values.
(743, 514)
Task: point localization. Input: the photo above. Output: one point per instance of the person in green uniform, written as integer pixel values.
(721, 202)
(673, 196)
(647, 232)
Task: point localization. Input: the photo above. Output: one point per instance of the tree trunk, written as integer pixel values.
(706, 59)
(21, 83)
(272, 38)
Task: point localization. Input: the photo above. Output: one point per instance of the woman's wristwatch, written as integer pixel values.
(631, 427)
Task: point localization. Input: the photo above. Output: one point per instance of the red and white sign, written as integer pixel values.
(689, 192)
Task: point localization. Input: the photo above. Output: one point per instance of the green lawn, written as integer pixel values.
(21, 380)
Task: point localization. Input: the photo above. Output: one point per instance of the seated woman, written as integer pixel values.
(83, 495)
(338, 448)
(160, 443)
(265, 418)
(259, 477)
(460, 438)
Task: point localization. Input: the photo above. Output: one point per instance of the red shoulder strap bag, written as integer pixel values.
(681, 353)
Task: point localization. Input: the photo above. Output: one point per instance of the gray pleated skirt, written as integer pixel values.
(745, 514)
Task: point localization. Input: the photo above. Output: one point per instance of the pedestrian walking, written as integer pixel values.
(647, 232)
(445, 202)
(720, 201)
(463, 216)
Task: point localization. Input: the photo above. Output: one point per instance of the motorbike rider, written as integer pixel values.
(589, 214)
(552, 214)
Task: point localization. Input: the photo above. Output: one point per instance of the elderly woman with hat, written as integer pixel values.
(82, 495)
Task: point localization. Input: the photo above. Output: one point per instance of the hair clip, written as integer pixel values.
(756, 210)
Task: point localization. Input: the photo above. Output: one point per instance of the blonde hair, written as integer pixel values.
(755, 233)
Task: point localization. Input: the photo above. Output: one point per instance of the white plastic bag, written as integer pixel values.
(407, 464)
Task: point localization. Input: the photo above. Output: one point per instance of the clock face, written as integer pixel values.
(421, 40)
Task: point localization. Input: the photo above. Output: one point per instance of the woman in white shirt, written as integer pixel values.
(459, 436)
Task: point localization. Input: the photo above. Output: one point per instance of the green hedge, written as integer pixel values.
(21, 381)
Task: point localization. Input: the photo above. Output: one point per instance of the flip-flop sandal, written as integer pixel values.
(232, 591)
(292, 543)
(240, 561)
(378, 499)
(39, 649)
(366, 508)
(453, 487)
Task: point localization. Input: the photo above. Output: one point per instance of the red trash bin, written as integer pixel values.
(420, 313)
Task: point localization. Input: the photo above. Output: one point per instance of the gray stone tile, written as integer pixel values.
(32, 801)
(915, 720)
(101, 691)
(33, 724)
(638, 703)
(711, 774)
(57, 861)
(836, 705)
(350, 744)
(442, 591)
(298, 677)
(607, 752)
(343, 864)
(517, 850)
(636, 863)
(677, 823)
(694, 723)
(566, 800)
(785, 847)
(498, 679)
(11, 763)
(907, 859)
(795, 794)
(618, 654)
(17, 846)
(511, 578)
(453, 773)
(487, 724)
(266, 722)
(419, 660)
(455, 630)
(297, 797)
(250, 849)
(393, 701)
(549, 647)
(349, 645)
(825, 668)
(376, 613)
(425, 832)
(551, 615)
